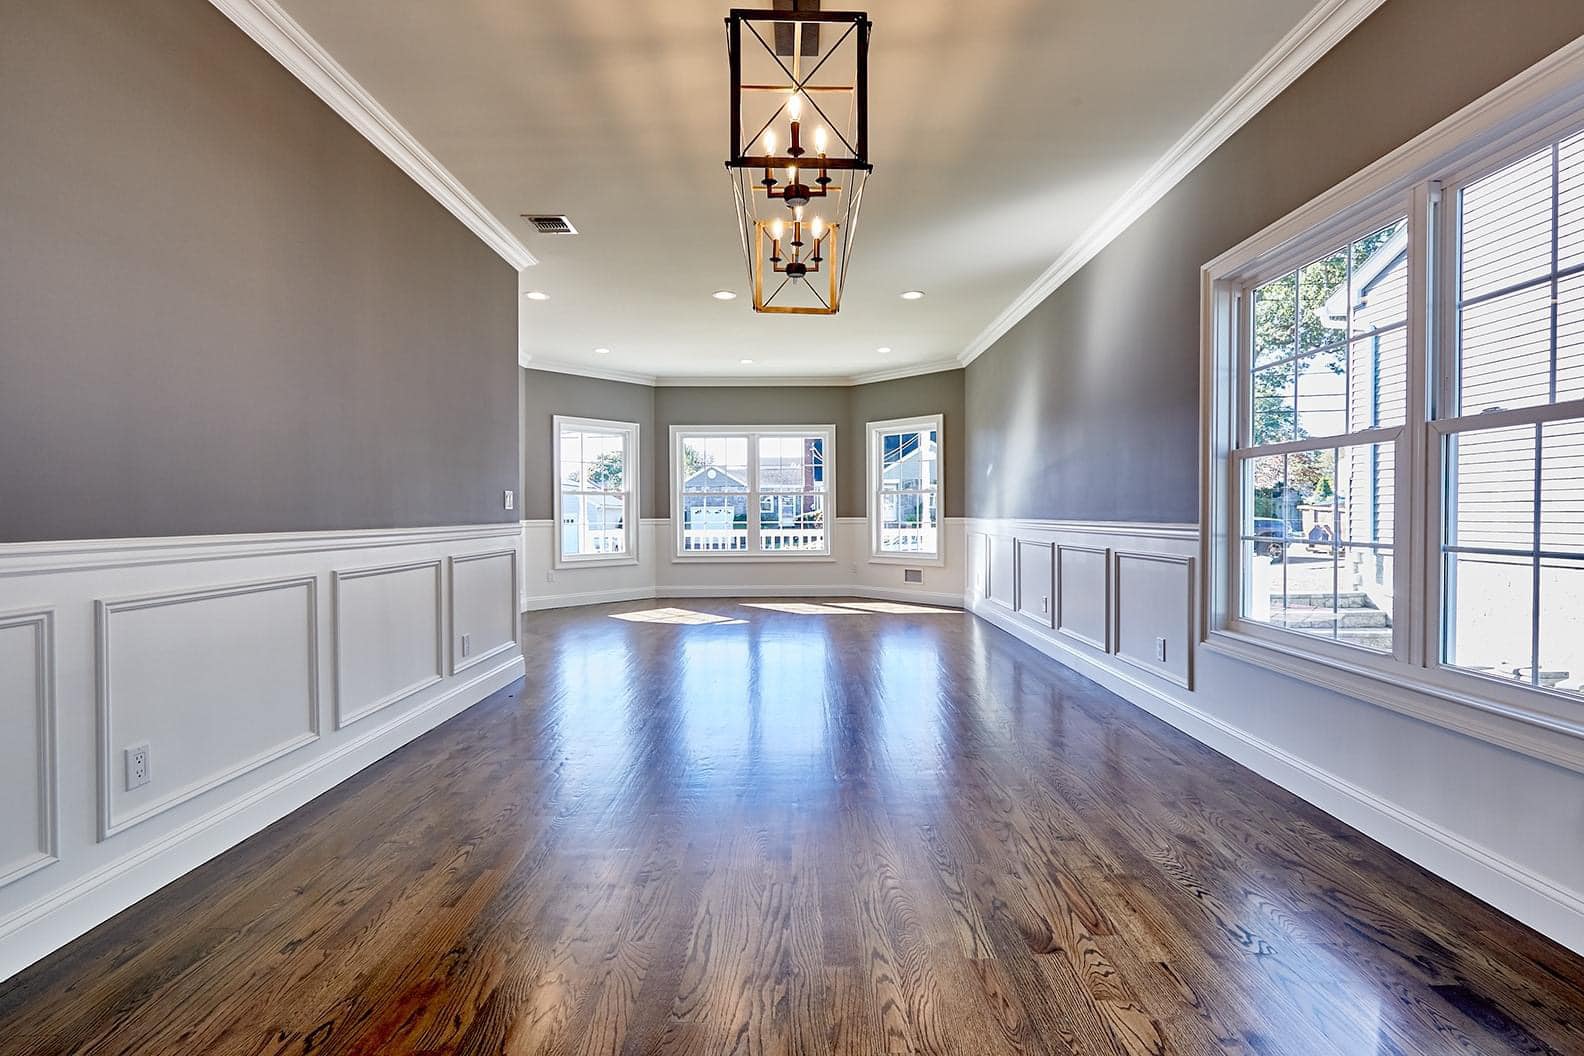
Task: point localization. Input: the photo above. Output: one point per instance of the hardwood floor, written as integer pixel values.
(818, 827)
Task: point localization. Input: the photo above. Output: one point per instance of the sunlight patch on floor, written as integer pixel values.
(680, 616)
(891, 606)
(801, 608)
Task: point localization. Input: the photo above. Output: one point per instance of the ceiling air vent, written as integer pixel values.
(550, 225)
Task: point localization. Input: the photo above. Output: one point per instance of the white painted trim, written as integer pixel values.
(1536, 104)
(279, 34)
(872, 433)
(632, 476)
(460, 663)
(29, 559)
(1118, 557)
(109, 824)
(1301, 48)
(825, 432)
(947, 599)
(42, 620)
(1135, 529)
(1537, 901)
(1057, 625)
(60, 916)
(717, 381)
(345, 717)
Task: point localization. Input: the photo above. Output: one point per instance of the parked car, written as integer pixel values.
(1271, 537)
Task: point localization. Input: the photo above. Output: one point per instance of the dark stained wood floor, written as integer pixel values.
(840, 830)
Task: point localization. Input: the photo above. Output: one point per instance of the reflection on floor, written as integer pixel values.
(749, 827)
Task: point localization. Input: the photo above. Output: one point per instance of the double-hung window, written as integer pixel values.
(752, 491)
(904, 471)
(596, 497)
(1395, 430)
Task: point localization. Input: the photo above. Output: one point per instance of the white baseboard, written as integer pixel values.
(50, 923)
(1549, 908)
(790, 590)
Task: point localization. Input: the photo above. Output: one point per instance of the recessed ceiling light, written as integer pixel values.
(724, 295)
(884, 350)
(602, 351)
(912, 295)
(745, 362)
(536, 295)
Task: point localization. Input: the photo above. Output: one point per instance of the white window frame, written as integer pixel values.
(922, 423)
(826, 433)
(1514, 120)
(630, 471)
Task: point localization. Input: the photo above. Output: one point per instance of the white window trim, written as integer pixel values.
(921, 423)
(1496, 129)
(630, 466)
(827, 433)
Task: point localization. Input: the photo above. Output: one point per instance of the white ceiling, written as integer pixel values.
(1032, 116)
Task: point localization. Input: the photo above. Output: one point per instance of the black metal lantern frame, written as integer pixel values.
(817, 74)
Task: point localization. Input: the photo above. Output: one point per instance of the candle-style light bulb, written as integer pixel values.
(797, 212)
(819, 227)
(791, 173)
(777, 229)
(795, 106)
(819, 139)
(769, 142)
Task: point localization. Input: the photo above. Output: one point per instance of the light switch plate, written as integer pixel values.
(1160, 650)
(511, 499)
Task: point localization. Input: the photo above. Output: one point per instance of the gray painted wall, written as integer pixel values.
(849, 408)
(1088, 408)
(221, 309)
(546, 394)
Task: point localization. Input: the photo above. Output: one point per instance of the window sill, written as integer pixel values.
(564, 564)
(917, 560)
(1456, 704)
(726, 557)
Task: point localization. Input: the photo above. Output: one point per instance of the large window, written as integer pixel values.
(1396, 430)
(1513, 437)
(743, 492)
(596, 504)
(904, 489)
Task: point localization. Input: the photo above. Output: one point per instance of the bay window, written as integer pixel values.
(596, 496)
(752, 491)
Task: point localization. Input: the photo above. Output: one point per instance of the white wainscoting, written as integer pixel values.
(29, 835)
(223, 654)
(848, 572)
(390, 637)
(1504, 826)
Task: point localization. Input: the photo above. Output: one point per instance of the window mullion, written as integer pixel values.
(1413, 546)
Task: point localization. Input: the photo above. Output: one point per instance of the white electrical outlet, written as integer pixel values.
(467, 644)
(549, 575)
(1160, 649)
(511, 499)
(137, 766)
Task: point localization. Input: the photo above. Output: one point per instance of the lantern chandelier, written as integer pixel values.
(796, 210)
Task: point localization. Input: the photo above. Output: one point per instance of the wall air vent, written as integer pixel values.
(912, 575)
(550, 225)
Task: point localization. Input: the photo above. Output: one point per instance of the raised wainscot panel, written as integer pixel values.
(1036, 569)
(1083, 598)
(1152, 623)
(216, 682)
(1003, 571)
(28, 839)
(483, 607)
(389, 636)
(979, 565)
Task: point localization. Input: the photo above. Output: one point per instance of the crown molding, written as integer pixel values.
(279, 34)
(1321, 30)
(720, 381)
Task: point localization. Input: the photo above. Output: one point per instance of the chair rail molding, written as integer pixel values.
(211, 652)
